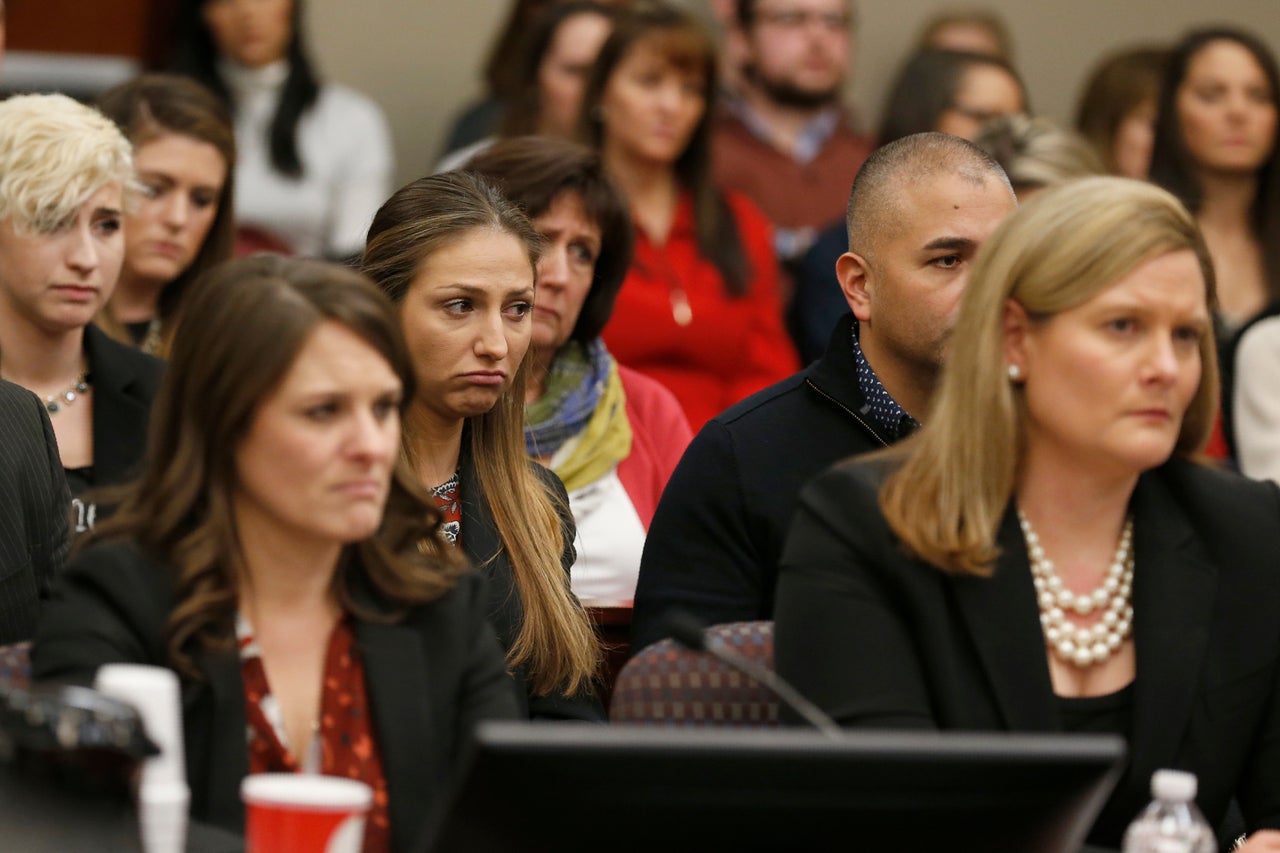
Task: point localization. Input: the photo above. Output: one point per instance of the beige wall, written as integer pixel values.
(420, 58)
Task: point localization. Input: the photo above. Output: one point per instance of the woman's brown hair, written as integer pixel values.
(153, 105)
(255, 314)
(556, 642)
(522, 109)
(533, 172)
(1119, 84)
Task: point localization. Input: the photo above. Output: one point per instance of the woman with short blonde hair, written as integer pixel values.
(66, 175)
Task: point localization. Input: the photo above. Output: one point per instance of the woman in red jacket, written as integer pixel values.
(699, 309)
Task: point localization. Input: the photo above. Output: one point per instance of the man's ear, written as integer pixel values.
(856, 280)
(1015, 327)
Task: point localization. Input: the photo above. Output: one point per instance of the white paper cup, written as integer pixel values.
(153, 691)
(162, 817)
(304, 813)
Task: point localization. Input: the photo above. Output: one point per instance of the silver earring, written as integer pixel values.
(1015, 373)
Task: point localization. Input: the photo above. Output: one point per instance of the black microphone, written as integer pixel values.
(690, 633)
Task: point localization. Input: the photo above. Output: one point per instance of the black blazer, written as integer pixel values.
(879, 639)
(430, 677)
(125, 381)
(483, 547)
(34, 528)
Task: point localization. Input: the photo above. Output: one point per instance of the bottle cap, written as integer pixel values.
(1175, 785)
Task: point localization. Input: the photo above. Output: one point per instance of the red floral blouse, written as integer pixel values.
(344, 745)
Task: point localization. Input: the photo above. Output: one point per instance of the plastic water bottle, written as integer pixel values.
(1172, 823)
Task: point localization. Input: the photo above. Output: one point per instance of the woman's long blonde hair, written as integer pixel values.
(556, 643)
(946, 500)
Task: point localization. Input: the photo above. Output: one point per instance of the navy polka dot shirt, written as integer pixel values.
(883, 409)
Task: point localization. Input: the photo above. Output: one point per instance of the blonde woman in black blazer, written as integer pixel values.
(964, 580)
(68, 171)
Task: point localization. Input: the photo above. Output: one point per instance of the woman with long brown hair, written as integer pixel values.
(460, 262)
(699, 310)
(184, 151)
(278, 556)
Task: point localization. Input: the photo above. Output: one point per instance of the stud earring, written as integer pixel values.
(1015, 373)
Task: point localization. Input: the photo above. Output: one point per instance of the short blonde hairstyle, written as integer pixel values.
(54, 154)
(1064, 246)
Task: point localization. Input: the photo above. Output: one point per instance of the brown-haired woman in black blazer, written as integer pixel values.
(277, 555)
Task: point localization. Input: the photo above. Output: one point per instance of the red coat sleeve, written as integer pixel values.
(770, 355)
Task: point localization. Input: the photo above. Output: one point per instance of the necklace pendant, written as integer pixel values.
(681, 311)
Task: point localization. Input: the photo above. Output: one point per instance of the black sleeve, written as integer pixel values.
(839, 637)
(109, 606)
(701, 554)
(53, 542)
(486, 692)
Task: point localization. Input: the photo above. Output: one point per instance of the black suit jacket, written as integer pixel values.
(877, 638)
(717, 534)
(430, 677)
(125, 381)
(34, 529)
(483, 547)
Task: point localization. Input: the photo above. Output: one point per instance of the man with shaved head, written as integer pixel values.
(919, 209)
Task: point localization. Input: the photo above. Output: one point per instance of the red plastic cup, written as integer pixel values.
(304, 813)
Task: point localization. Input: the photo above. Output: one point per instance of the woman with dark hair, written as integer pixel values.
(65, 170)
(184, 151)
(501, 80)
(1215, 149)
(951, 92)
(553, 65)
(315, 159)
(277, 555)
(699, 310)
(459, 260)
(1117, 109)
(1046, 554)
(611, 434)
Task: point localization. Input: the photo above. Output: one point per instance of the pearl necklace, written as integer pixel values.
(1070, 643)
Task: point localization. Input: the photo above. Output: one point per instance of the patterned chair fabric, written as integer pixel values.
(669, 685)
(15, 665)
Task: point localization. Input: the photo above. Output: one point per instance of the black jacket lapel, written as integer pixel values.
(1174, 589)
(393, 659)
(1011, 647)
(214, 709)
(121, 408)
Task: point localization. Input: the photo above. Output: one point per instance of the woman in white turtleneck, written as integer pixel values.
(315, 160)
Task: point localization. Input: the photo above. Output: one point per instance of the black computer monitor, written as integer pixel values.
(575, 787)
